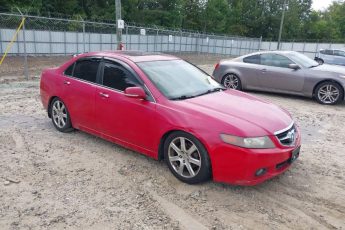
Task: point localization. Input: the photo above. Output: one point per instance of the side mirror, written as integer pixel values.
(135, 92)
(294, 66)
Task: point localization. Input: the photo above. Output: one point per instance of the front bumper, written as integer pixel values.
(235, 165)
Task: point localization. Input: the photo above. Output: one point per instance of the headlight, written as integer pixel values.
(250, 142)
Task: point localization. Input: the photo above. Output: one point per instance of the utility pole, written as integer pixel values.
(118, 17)
(281, 25)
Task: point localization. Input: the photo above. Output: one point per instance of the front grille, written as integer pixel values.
(287, 137)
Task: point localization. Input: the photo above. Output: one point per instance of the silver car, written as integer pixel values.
(331, 56)
(283, 72)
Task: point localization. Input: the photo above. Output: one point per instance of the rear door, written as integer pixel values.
(79, 92)
(120, 117)
(275, 74)
(339, 57)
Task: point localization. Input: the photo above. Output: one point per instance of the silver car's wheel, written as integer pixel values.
(184, 157)
(320, 61)
(231, 81)
(60, 116)
(329, 93)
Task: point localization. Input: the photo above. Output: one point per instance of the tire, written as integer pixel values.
(60, 116)
(196, 161)
(232, 81)
(329, 93)
(320, 61)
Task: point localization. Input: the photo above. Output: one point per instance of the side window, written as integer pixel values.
(267, 59)
(86, 69)
(327, 52)
(254, 59)
(339, 53)
(275, 60)
(69, 70)
(117, 77)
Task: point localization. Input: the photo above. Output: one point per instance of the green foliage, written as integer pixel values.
(252, 18)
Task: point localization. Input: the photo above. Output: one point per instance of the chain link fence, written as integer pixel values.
(56, 36)
(308, 47)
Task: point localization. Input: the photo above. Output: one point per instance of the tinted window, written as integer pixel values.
(69, 70)
(86, 69)
(116, 77)
(302, 60)
(255, 59)
(275, 60)
(327, 52)
(339, 53)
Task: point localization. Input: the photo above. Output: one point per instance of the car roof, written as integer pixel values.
(333, 49)
(135, 56)
(266, 52)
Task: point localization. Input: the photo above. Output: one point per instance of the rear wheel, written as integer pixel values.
(320, 61)
(329, 93)
(232, 81)
(187, 158)
(60, 116)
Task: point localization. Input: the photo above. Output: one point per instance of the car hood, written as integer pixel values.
(331, 68)
(245, 114)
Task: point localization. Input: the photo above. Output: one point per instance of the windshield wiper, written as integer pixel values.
(218, 89)
(314, 66)
(183, 97)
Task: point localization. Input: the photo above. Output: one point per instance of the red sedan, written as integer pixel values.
(168, 109)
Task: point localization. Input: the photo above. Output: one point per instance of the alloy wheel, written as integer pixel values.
(231, 81)
(59, 114)
(328, 94)
(184, 157)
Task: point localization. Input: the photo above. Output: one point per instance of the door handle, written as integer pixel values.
(104, 95)
(67, 82)
(264, 70)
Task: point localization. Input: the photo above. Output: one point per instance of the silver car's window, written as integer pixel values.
(327, 52)
(275, 60)
(339, 53)
(254, 59)
(302, 60)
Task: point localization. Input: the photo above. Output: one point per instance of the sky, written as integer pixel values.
(321, 4)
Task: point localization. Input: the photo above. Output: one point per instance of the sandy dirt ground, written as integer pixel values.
(52, 180)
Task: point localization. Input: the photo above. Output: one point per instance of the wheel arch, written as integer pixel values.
(234, 72)
(318, 58)
(167, 133)
(230, 71)
(328, 80)
(50, 104)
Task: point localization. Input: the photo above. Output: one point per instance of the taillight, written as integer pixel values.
(216, 66)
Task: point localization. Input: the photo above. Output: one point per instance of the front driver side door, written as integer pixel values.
(122, 118)
(275, 74)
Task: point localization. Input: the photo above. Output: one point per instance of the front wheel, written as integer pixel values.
(329, 93)
(187, 158)
(60, 116)
(232, 81)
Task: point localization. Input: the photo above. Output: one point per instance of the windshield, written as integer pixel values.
(302, 60)
(177, 79)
